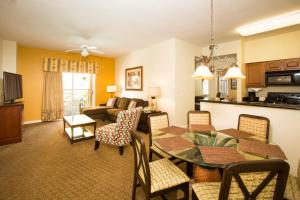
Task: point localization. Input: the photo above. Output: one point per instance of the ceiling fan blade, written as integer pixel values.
(92, 48)
(96, 52)
(70, 50)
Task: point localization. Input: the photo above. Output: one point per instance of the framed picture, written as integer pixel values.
(233, 84)
(134, 78)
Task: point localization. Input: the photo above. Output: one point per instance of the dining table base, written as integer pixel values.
(202, 174)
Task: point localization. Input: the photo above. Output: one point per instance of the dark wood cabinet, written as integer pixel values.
(277, 65)
(292, 64)
(255, 74)
(11, 122)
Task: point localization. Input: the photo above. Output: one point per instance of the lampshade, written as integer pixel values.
(111, 88)
(203, 72)
(154, 91)
(234, 72)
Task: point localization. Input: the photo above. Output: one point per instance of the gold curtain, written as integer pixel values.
(52, 105)
(59, 65)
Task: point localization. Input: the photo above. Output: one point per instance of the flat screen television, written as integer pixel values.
(12, 87)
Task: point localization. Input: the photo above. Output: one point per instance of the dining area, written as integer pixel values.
(233, 163)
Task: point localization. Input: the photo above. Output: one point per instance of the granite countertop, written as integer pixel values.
(259, 104)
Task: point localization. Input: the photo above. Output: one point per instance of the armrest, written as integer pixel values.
(102, 104)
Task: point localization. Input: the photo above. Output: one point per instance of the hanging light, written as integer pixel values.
(234, 72)
(202, 71)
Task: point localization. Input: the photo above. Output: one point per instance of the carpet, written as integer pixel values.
(46, 166)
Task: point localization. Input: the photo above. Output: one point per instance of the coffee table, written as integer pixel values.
(76, 127)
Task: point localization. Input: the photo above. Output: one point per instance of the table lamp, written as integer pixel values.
(154, 92)
(111, 89)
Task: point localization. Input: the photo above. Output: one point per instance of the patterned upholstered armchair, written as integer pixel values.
(198, 117)
(118, 134)
(257, 125)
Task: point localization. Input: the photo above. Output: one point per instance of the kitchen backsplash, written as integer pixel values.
(264, 91)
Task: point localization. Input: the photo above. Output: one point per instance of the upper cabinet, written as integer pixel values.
(282, 65)
(255, 74)
(292, 64)
(277, 65)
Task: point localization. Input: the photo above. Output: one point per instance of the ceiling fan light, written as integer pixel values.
(84, 53)
(234, 72)
(202, 72)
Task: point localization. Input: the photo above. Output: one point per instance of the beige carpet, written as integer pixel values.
(46, 166)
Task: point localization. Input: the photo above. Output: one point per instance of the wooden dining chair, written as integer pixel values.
(157, 121)
(257, 125)
(259, 179)
(157, 177)
(198, 117)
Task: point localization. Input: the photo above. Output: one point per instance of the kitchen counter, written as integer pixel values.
(260, 104)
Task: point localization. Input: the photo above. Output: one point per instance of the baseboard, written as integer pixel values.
(33, 122)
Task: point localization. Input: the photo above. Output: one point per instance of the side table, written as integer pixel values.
(143, 123)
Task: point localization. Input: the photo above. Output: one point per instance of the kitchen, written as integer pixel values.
(271, 63)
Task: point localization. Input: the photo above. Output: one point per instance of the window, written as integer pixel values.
(78, 92)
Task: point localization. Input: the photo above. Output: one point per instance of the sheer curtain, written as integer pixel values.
(52, 105)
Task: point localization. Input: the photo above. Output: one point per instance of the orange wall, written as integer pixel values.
(30, 65)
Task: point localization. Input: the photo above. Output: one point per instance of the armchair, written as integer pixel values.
(118, 134)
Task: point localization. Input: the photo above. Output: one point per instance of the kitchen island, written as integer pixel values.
(284, 122)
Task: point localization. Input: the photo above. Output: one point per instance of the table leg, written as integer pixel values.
(95, 130)
(189, 169)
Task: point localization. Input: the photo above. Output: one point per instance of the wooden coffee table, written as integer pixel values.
(76, 127)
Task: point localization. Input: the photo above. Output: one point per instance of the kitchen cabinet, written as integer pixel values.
(277, 65)
(292, 64)
(255, 74)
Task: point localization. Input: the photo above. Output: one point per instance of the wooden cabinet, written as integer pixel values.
(255, 74)
(277, 65)
(11, 117)
(292, 64)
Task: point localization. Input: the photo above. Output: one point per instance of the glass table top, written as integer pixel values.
(187, 146)
(74, 120)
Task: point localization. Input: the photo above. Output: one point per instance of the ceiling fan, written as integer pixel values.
(86, 50)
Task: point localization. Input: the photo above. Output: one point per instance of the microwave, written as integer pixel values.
(283, 78)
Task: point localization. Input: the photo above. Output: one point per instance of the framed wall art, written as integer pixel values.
(134, 78)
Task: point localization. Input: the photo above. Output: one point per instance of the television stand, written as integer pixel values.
(11, 116)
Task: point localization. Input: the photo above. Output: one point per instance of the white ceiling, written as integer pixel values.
(120, 26)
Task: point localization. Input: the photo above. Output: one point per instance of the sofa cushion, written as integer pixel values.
(117, 102)
(131, 105)
(111, 102)
(140, 102)
(123, 104)
(114, 111)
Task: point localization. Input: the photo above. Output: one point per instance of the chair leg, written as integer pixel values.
(194, 197)
(121, 150)
(97, 144)
(134, 188)
(189, 169)
(186, 191)
(150, 156)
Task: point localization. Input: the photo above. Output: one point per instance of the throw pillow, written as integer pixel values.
(131, 105)
(111, 102)
(123, 104)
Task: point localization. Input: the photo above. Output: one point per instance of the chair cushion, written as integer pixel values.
(207, 190)
(123, 103)
(165, 174)
(114, 111)
(105, 134)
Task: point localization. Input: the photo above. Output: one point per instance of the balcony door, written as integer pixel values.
(78, 92)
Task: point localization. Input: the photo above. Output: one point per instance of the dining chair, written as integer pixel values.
(257, 125)
(157, 121)
(259, 179)
(118, 133)
(157, 177)
(198, 117)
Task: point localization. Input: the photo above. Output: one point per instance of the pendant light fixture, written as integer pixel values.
(203, 71)
(234, 72)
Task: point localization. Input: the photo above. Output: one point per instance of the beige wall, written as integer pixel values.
(279, 44)
(169, 65)
(158, 70)
(184, 83)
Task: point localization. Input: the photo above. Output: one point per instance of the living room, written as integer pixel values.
(140, 59)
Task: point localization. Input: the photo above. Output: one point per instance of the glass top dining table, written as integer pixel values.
(189, 145)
